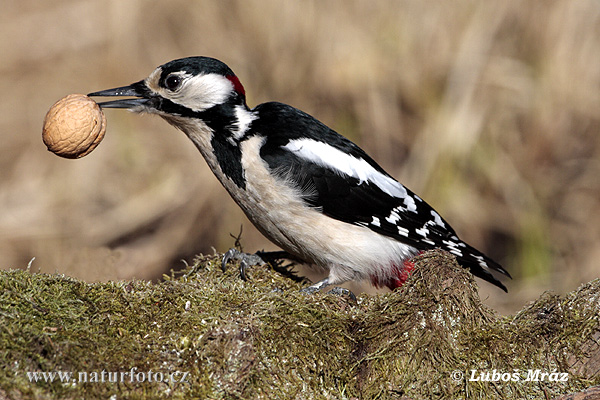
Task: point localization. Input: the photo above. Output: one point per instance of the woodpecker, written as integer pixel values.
(308, 189)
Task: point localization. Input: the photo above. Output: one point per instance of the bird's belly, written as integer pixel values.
(278, 211)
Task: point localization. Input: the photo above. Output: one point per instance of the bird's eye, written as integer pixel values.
(173, 82)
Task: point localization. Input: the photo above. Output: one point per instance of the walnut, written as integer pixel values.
(74, 126)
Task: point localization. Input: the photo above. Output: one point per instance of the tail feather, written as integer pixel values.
(480, 265)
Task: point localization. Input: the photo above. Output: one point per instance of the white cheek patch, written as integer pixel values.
(326, 156)
(201, 92)
(197, 93)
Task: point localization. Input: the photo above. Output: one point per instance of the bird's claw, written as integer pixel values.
(315, 287)
(245, 259)
(340, 291)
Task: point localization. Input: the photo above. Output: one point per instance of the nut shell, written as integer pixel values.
(74, 126)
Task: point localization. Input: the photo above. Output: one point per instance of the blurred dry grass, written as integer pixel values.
(488, 110)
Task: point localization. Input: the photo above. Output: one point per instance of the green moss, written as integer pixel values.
(264, 339)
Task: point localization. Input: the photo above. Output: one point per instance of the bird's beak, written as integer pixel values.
(137, 90)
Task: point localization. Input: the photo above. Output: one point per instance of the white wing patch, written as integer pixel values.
(437, 219)
(394, 217)
(423, 231)
(402, 231)
(453, 248)
(410, 204)
(327, 156)
(480, 261)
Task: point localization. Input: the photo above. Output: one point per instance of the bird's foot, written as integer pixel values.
(338, 291)
(317, 287)
(274, 258)
(245, 260)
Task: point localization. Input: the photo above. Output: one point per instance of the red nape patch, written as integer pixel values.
(398, 276)
(237, 85)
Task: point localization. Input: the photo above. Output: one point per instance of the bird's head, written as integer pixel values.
(184, 90)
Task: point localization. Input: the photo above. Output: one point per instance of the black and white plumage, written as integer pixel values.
(308, 189)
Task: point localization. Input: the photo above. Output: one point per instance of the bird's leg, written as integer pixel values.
(261, 258)
(276, 256)
(273, 258)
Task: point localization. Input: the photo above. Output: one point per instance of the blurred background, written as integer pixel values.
(489, 110)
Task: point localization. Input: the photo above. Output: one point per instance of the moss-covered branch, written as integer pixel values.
(263, 339)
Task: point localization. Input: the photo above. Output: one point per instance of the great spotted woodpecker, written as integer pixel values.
(311, 191)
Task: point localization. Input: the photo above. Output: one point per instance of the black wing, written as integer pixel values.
(361, 193)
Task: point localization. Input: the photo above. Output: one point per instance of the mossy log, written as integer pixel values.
(233, 339)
